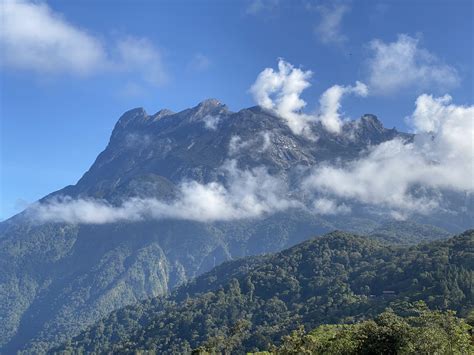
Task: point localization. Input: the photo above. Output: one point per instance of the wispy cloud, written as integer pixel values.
(403, 63)
(139, 55)
(255, 7)
(258, 144)
(329, 29)
(211, 121)
(199, 62)
(325, 206)
(35, 38)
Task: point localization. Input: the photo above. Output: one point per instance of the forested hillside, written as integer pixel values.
(410, 330)
(250, 304)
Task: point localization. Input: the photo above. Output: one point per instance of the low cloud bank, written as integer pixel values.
(280, 92)
(247, 194)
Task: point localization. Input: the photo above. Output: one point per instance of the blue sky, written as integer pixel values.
(70, 69)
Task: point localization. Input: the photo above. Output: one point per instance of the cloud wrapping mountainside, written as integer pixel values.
(397, 176)
(247, 194)
(408, 177)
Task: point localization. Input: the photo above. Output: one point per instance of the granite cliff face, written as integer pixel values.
(57, 278)
(168, 147)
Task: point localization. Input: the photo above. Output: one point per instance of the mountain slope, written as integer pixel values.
(170, 147)
(88, 256)
(335, 278)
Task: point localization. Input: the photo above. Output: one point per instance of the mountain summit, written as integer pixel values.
(193, 143)
(171, 196)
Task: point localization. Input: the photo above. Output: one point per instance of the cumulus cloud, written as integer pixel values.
(445, 137)
(403, 63)
(329, 28)
(246, 194)
(35, 38)
(330, 104)
(280, 91)
(409, 176)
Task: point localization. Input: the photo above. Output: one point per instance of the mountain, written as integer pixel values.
(149, 154)
(248, 304)
(170, 197)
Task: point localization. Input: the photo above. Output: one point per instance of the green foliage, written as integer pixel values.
(406, 232)
(57, 279)
(250, 304)
(424, 332)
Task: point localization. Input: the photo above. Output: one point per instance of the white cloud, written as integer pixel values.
(258, 6)
(211, 121)
(330, 104)
(329, 28)
(132, 89)
(267, 140)
(199, 62)
(409, 177)
(430, 112)
(247, 194)
(326, 206)
(35, 38)
(139, 54)
(401, 64)
(236, 145)
(280, 91)
(396, 176)
(445, 137)
(260, 143)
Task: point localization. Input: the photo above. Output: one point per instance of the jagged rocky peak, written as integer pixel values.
(368, 124)
(210, 103)
(162, 113)
(369, 120)
(209, 107)
(134, 115)
(139, 116)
